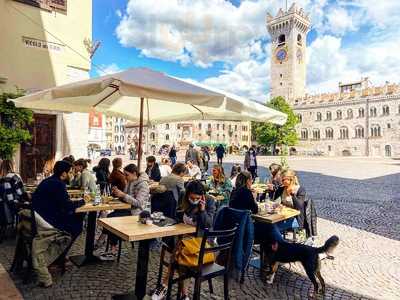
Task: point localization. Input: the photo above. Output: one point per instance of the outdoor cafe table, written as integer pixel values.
(284, 214)
(129, 229)
(92, 210)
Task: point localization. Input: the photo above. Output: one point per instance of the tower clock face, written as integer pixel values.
(281, 55)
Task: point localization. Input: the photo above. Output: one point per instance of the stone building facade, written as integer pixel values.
(39, 42)
(181, 134)
(359, 120)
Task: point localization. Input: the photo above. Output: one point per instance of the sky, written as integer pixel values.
(225, 43)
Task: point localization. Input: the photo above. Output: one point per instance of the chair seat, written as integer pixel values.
(213, 269)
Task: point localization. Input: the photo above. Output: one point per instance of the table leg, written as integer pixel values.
(141, 273)
(81, 260)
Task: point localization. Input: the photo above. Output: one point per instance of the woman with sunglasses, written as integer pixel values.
(293, 195)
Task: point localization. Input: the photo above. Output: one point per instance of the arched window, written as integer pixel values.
(328, 116)
(116, 139)
(319, 116)
(344, 133)
(339, 115)
(200, 126)
(299, 39)
(167, 126)
(372, 112)
(122, 138)
(152, 136)
(209, 126)
(375, 130)
(329, 133)
(167, 137)
(300, 117)
(359, 132)
(304, 134)
(116, 128)
(349, 114)
(316, 134)
(385, 110)
(361, 112)
(281, 39)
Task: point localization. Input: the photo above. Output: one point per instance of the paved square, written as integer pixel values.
(357, 199)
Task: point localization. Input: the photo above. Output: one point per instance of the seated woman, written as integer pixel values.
(102, 171)
(137, 194)
(242, 196)
(83, 179)
(220, 184)
(275, 181)
(199, 211)
(293, 195)
(234, 173)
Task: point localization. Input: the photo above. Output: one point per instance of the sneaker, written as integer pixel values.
(159, 293)
(108, 256)
(185, 297)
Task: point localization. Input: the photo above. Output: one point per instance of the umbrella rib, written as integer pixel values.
(202, 113)
(116, 88)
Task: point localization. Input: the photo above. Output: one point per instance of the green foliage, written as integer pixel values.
(274, 135)
(13, 124)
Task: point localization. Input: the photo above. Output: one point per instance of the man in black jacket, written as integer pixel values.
(51, 202)
(153, 170)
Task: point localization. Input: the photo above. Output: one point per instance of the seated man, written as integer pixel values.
(193, 170)
(54, 209)
(174, 182)
(152, 169)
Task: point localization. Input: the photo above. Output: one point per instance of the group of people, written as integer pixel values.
(55, 211)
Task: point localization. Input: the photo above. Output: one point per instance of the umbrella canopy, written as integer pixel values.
(167, 99)
(145, 96)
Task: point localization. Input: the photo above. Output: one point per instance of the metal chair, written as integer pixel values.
(206, 272)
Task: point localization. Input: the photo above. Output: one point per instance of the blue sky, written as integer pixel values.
(225, 43)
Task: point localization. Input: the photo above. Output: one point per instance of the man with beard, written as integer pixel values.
(57, 222)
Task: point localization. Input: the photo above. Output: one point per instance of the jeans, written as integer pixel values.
(173, 160)
(219, 160)
(267, 233)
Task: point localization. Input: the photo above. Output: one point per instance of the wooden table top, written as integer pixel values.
(285, 214)
(129, 229)
(112, 205)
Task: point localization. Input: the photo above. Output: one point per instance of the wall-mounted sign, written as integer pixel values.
(40, 44)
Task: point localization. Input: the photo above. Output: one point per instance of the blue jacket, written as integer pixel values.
(227, 218)
(51, 201)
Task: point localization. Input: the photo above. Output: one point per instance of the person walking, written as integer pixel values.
(220, 151)
(172, 155)
(206, 158)
(250, 162)
(193, 155)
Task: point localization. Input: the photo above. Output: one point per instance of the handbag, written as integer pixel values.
(188, 253)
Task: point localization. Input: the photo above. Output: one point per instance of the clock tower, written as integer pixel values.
(288, 32)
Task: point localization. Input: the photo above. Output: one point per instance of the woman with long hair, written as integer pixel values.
(220, 184)
(102, 171)
(242, 196)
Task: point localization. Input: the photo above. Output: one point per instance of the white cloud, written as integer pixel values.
(202, 32)
(118, 12)
(108, 69)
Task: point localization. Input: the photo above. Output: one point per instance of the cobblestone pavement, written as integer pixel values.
(363, 213)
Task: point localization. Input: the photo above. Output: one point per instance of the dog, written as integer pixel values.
(283, 252)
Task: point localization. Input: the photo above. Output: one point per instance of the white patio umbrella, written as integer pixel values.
(140, 95)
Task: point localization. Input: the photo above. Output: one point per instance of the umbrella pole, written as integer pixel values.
(140, 133)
